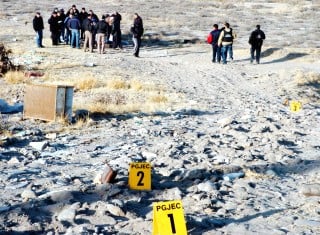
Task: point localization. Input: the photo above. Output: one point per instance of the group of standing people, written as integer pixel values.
(222, 43)
(72, 27)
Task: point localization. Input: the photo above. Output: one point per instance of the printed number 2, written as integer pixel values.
(173, 228)
(141, 174)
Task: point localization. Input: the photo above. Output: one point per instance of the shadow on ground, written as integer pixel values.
(82, 114)
(290, 56)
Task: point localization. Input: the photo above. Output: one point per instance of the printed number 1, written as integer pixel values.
(141, 174)
(173, 228)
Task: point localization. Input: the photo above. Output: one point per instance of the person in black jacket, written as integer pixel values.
(116, 30)
(87, 27)
(54, 28)
(137, 32)
(102, 28)
(38, 27)
(256, 40)
(82, 16)
(62, 18)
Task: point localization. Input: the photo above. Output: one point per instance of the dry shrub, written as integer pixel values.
(117, 84)
(254, 175)
(160, 98)
(136, 85)
(113, 98)
(120, 96)
(86, 83)
(310, 78)
(15, 77)
(83, 122)
(4, 128)
(5, 63)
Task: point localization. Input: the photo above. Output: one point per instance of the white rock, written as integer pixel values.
(68, 214)
(40, 146)
(207, 186)
(58, 196)
(13, 161)
(311, 190)
(225, 121)
(115, 210)
(28, 194)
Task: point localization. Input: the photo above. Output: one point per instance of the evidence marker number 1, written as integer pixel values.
(295, 106)
(168, 218)
(140, 176)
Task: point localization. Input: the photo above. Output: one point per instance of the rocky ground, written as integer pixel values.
(225, 142)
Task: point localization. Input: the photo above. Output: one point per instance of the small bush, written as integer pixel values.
(15, 77)
(117, 84)
(86, 84)
(158, 98)
(310, 78)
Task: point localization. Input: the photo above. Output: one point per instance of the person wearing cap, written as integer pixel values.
(225, 42)
(137, 32)
(256, 40)
(38, 27)
(53, 21)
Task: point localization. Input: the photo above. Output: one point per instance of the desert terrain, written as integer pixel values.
(220, 138)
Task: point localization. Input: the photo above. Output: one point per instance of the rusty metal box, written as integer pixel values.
(48, 102)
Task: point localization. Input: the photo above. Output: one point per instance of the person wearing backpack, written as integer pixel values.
(213, 38)
(256, 40)
(225, 42)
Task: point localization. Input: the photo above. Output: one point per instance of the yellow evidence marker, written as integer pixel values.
(168, 218)
(295, 106)
(140, 176)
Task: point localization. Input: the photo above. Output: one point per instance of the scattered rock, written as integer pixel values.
(310, 190)
(68, 214)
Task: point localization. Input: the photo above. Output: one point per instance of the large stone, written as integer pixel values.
(115, 210)
(207, 186)
(311, 190)
(69, 213)
(40, 146)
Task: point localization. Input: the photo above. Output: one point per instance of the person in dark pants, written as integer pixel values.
(38, 27)
(256, 40)
(116, 30)
(137, 31)
(61, 17)
(216, 50)
(83, 15)
(95, 20)
(54, 28)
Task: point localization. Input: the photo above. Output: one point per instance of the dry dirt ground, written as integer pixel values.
(189, 117)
